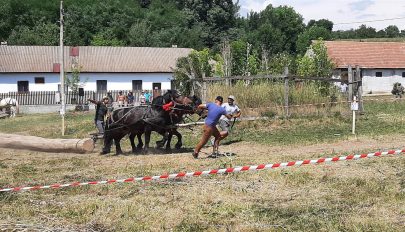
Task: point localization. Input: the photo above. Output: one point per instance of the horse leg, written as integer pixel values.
(169, 139)
(179, 139)
(118, 150)
(132, 140)
(148, 131)
(140, 142)
(107, 144)
(135, 149)
(161, 143)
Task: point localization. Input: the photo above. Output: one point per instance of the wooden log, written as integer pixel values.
(34, 143)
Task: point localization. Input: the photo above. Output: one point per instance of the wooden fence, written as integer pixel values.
(53, 97)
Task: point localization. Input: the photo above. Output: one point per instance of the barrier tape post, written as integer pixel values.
(210, 172)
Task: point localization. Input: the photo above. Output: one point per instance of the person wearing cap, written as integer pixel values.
(215, 111)
(101, 112)
(224, 123)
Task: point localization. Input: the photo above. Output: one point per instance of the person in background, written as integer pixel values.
(110, 102)
(101, 113)
(224, 123)
(130, 98)
(121, 99)
(147, 97)
(215, 111)
(142, 98)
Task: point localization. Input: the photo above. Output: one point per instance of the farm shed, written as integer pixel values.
(36, 68)
(381, 63)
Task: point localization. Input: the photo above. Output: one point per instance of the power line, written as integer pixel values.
(370, 21)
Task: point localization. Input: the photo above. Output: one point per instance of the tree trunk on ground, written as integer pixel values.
(33, 143)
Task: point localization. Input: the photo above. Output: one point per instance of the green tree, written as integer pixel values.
(392, 31)
(364, 32)
(238, 51)
(140, 34)
(41, 34)
(316, 63)
(315, 32)
(327, 24)
(106, 38)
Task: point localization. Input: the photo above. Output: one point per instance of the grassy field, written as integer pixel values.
(364, 195)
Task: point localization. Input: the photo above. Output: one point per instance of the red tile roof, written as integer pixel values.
(367, 54)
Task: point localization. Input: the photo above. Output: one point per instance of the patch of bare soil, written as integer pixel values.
(353, 145)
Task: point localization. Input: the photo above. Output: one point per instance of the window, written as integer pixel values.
(157, 86)
(403, 74)
(378, 74)
(136, 85)
(101, 85)
(22, 86)
(39, 80)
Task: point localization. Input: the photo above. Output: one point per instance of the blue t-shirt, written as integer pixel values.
(214, 113)
(147, 97)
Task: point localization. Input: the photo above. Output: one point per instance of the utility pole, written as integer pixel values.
(62, 71)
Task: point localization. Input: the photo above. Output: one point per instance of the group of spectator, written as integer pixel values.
(128, 99)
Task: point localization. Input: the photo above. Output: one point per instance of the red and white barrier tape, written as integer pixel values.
(210, 172)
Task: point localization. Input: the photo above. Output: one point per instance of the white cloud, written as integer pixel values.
(339, 11)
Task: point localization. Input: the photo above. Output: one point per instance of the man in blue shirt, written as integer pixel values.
(215, 111)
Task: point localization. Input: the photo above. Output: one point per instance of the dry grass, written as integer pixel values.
(364, 195)
(351, 196)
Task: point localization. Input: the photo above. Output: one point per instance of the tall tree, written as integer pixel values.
(315, 32)
(325, 23)
(392, 31)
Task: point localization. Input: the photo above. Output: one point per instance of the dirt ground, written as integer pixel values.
(268, 200)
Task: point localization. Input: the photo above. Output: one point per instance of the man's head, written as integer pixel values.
(231, 99)
(219, 99)
(105, 99)
(120, 92)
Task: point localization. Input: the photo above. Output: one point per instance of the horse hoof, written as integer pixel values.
(104, 152)
(159, 144)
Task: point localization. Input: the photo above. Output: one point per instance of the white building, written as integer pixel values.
(381, 63)
(36, 68)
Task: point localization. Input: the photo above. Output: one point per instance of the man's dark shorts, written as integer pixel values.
(224, 125)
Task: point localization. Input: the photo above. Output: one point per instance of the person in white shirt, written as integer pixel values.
(224, 123)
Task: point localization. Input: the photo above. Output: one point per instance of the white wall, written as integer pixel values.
(383, 84)
(115, 81)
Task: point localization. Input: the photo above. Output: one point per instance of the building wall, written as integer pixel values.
(384, 84)
(115, 81)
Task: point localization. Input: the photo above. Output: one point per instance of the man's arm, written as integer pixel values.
(228, 116)
(202, 106)
(93, 101)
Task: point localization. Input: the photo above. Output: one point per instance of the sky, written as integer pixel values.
(339, 11)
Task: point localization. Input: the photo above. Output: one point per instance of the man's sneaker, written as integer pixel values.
(212, 141)
(214, 155)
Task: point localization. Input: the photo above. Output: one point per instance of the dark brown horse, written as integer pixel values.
(143, 120)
